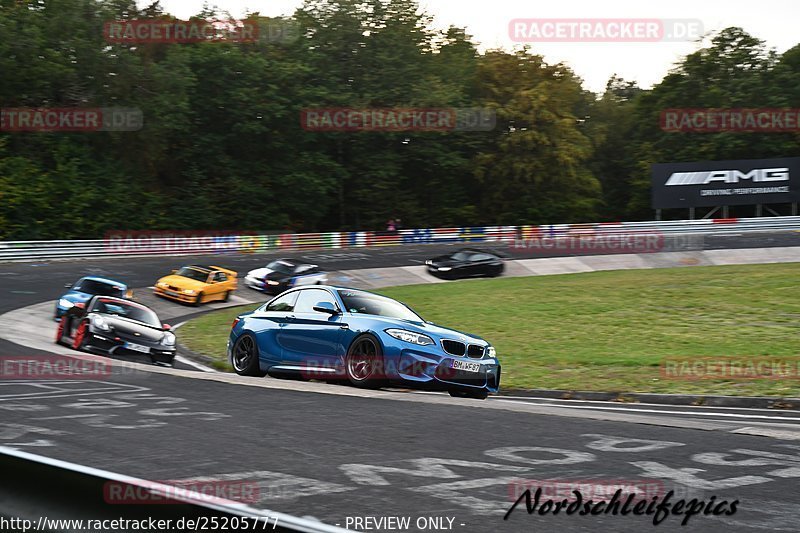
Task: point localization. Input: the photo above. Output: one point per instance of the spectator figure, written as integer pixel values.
(391, 227)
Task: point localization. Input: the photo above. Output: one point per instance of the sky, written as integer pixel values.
(774, 21)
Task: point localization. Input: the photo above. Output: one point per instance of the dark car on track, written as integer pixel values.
(86, 287)
(333, 333)
(285, 273)
(115, 326)
(466, 263)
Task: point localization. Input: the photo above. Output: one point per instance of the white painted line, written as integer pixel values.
(194, 364)
(661, 411)
(616, 404)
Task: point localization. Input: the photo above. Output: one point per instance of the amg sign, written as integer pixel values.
(712, 183)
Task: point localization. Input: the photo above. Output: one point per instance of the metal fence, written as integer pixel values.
(153, 243)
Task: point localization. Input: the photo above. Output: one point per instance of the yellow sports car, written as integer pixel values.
(197, 284)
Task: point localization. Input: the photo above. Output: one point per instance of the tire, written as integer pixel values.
(364, 364)
(79, 341)
(199, 299)
(244, 357)
(477, 395)
(62, 325)
(227, 295)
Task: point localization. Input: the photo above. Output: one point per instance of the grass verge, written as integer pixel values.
(609, 331)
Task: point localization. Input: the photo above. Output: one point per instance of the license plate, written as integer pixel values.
(466, 366)
(137, 347)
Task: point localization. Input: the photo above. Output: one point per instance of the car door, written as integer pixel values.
(216, 287)
(483, 264)
(313, 338)
(269, 325)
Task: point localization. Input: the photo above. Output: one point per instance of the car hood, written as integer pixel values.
(445, 260)
(427, 328)
(259, 272)
(133, 328)
(76, 296)
(182, 283)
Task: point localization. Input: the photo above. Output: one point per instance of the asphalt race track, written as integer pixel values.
(341, 455)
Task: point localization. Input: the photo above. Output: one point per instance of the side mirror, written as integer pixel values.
(68, 285)
(129, 294)
(166, 327)
(326, 307)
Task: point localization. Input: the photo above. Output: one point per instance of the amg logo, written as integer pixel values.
(705, 177)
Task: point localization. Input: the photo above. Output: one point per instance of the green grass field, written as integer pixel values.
(607, 331)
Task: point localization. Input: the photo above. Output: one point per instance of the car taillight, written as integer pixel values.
(80, 305)
(235, 321)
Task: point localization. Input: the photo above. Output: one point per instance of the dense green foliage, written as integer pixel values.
(223, 147)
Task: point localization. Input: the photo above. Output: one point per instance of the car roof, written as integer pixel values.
(104, 280)
(199, 267)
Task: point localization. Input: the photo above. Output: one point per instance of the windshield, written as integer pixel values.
(281, 267)
(371, 304)
(191, 273)
(127, 310)
(90, 286)
(460, 256)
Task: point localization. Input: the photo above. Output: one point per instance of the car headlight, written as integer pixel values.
(410, 336)
(66, 304)
(190, 292)
(271, 282)
(161, 285)
(491, 352)
(428, 262)
(99, 323)
(443, 269)
(169, 339)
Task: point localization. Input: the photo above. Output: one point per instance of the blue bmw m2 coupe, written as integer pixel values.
(333, 333)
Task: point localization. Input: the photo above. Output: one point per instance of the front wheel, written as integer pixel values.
(244, 357)
(364, 363)
(199, 299)
(477, 394)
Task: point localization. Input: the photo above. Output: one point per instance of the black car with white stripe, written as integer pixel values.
(115, 326)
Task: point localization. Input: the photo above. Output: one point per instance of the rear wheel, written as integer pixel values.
(364, 363)
(244, 357)
(226, 296)
(81, 334)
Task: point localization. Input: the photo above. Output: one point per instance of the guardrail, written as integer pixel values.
(139, 243)
(43, 494)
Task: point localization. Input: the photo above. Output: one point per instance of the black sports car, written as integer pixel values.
(115, 326)
(466, 263)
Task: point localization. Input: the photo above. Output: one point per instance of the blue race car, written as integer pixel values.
(333, 333)
(86, 287)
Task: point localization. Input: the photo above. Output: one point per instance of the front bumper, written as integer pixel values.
(177, 296)
(108, 343)
(260, 285)
(434, 369)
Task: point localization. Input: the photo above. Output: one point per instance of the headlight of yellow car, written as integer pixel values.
(190, 292)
